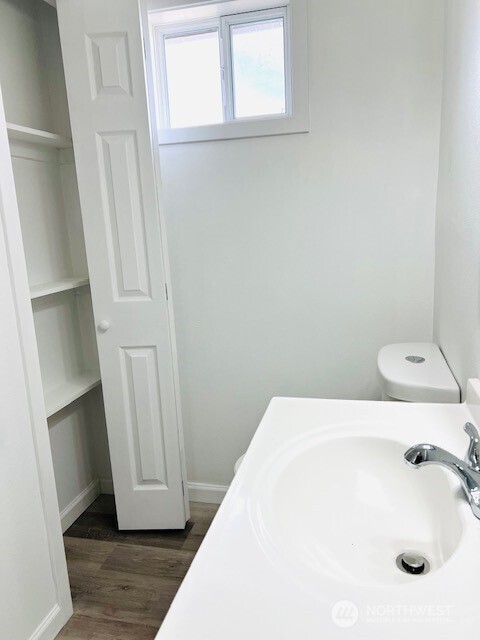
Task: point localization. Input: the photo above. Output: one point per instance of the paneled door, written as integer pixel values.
(103, 55)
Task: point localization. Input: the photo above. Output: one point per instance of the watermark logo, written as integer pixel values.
(344, 614)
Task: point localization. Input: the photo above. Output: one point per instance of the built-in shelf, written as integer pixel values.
(37, 136)
(60, 397)
(49, 288)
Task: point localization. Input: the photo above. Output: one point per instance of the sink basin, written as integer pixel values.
(347, 506)
(306, 540)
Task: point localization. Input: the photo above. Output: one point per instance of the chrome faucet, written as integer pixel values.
(467, 471)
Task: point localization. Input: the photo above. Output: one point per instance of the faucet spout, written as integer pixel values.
(424, 454)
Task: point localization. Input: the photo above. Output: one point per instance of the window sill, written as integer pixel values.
(235, 130)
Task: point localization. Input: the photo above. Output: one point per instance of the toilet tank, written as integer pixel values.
(416, 372)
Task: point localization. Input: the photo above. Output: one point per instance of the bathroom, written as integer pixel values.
(169, 286)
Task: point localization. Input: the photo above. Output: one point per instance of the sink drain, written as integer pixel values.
(413, 563)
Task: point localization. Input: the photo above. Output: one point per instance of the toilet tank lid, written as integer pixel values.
(427, 380)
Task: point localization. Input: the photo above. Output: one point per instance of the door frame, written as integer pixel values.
(10, 227)
(150, 85)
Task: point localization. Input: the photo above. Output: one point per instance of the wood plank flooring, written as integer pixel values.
(124, 582)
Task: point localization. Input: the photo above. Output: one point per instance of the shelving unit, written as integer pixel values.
(57, 286)
(63, 317)
(58, 398)
(36, 136)
(44, 217)
(54, 248)
(43, 163)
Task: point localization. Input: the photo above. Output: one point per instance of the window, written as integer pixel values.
(228, 75)
(258, 68)
(225, 70)
(193, 79)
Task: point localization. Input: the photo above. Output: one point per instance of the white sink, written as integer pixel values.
(306, 541)
(346, 506)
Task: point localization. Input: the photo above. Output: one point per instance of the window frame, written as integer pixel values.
(296, 117)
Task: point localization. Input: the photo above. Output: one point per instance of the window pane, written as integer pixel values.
(258, 62)
(194, 79)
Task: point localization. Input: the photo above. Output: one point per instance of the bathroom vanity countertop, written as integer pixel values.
(245, 581)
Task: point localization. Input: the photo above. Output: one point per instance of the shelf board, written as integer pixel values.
(60, 397)
(49, 288)
(36, 136)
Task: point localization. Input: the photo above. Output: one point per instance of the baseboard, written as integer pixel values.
(197, 491)
(203, 492)
(78, 505)
(106, 486)
(51, 625)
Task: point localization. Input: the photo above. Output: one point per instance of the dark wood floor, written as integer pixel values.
(124, 582)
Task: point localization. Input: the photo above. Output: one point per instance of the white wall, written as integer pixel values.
(457, 285)
(295, 258)
(25, 92)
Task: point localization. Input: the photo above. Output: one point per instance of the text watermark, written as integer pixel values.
(346, 614)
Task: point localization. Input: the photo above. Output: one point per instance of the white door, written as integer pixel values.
(104, 63)
(34, 592)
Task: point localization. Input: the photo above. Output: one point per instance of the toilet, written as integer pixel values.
(412, 372)
(416, 372)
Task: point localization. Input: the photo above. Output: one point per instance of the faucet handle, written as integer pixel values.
(473, 453)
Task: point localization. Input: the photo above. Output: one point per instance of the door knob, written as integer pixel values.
(103, 326)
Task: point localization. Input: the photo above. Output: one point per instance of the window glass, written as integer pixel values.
(258, 68)
(194, 83)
